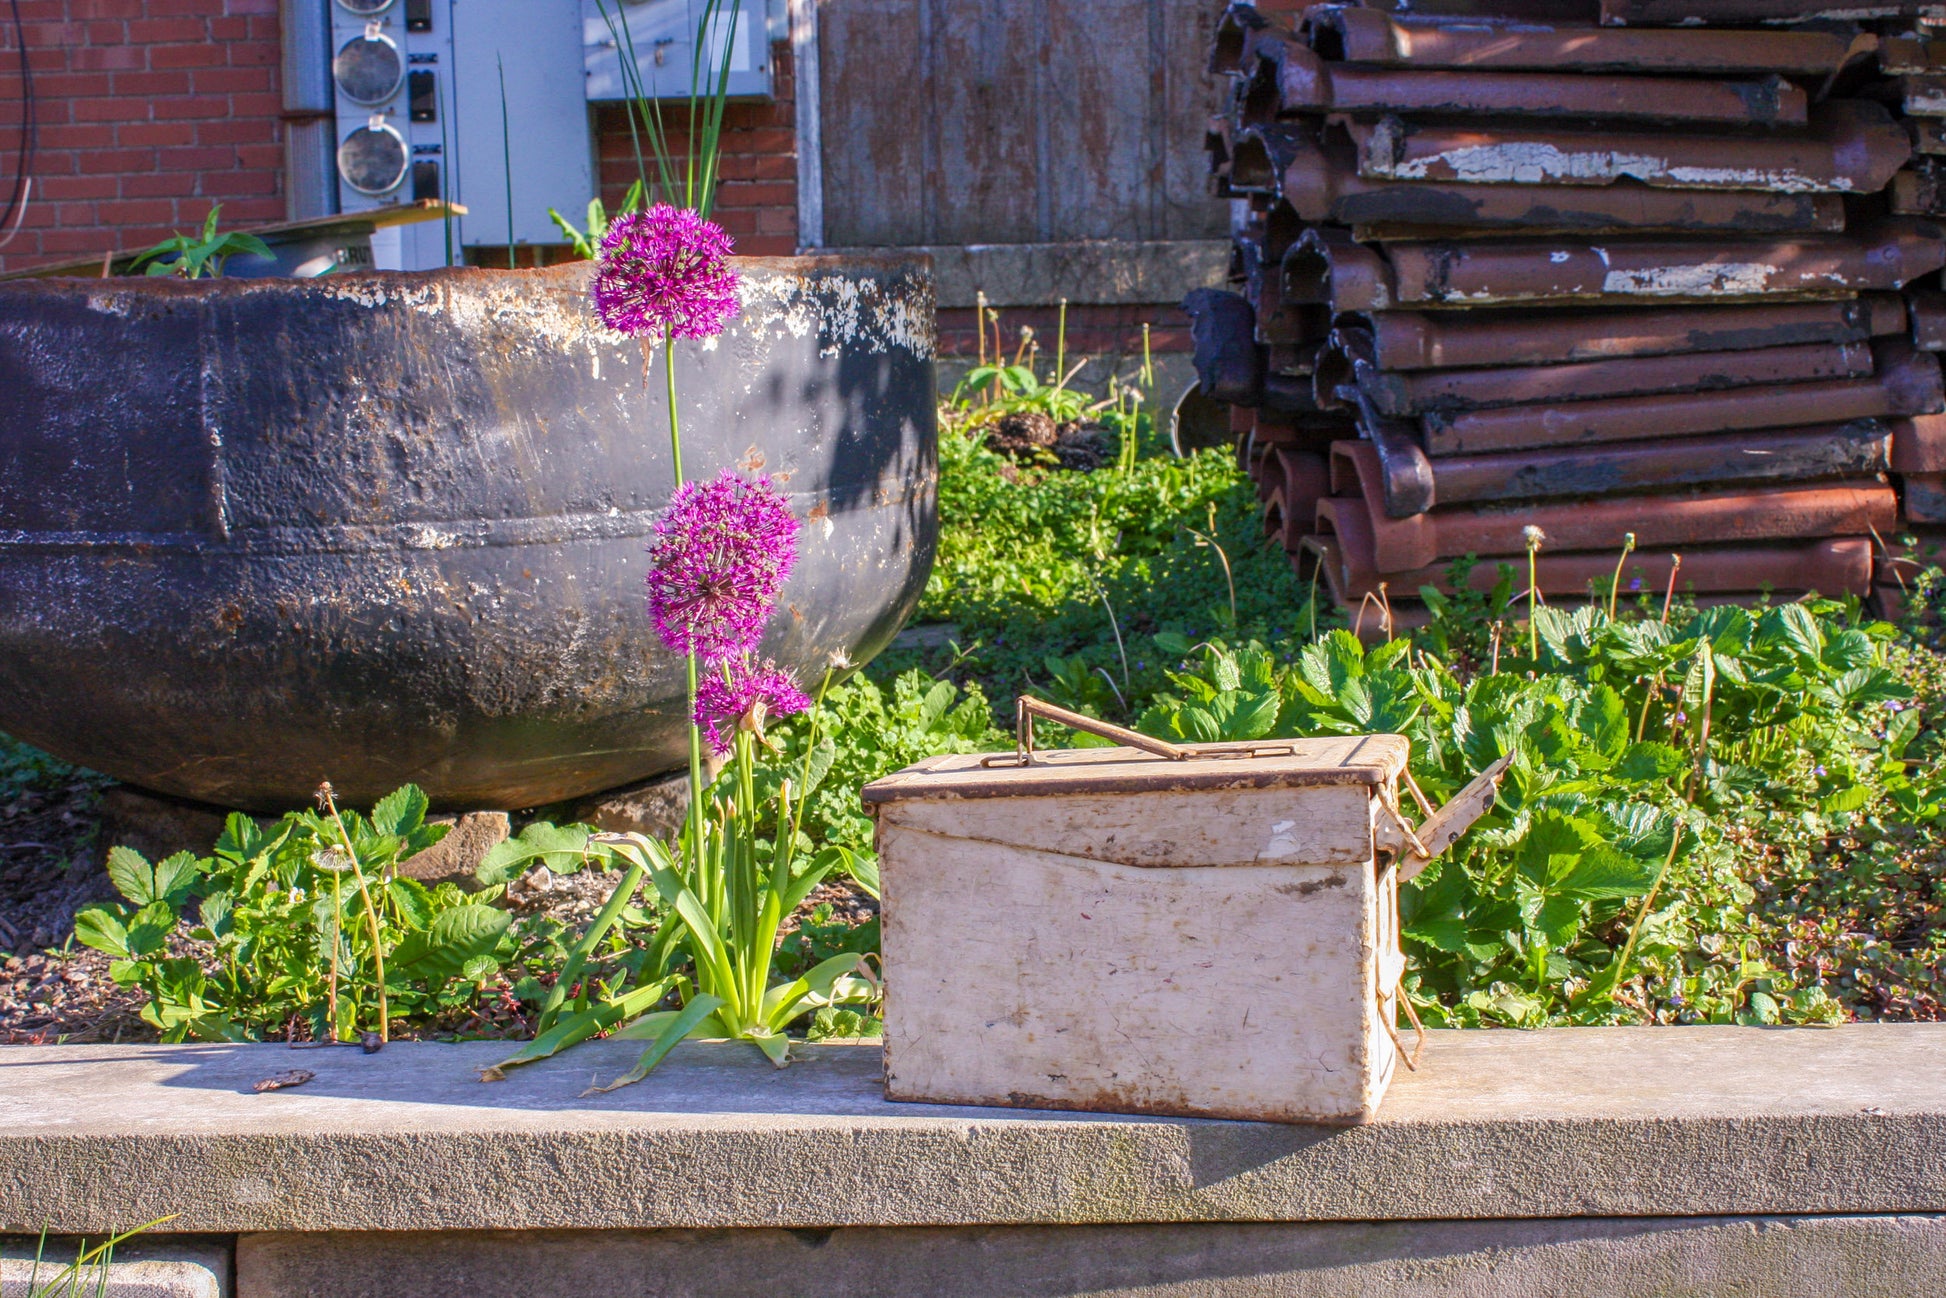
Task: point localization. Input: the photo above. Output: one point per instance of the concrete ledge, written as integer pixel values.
(1722, 1257)
(1566, 1123)
(1101, 272)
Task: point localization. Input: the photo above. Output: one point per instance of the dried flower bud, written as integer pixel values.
(754, 694)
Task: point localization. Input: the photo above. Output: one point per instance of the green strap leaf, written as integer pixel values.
(691, 1018)
(579, 1027)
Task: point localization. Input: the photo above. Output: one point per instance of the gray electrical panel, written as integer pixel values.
(664, 35)
(419, 100)
(547, 152)
(421, 89)
(391, 76)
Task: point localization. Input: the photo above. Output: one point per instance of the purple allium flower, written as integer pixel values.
(754, 694)
(665, 270)
(721, 554)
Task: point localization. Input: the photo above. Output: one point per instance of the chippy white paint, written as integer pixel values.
(1172, 945)
(1535, 162)
(115, 304)
(852, 314)
(558, 322)
(1692, 280)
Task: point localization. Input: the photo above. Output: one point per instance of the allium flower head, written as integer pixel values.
(754, 694)
(721, 554)
(665, 270)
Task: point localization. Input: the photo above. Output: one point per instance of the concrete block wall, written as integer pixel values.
(149, 111)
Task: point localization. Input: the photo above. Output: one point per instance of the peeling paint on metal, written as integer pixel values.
(1534, 162)
(851, 314)
(116, 304)
(1736, 277)
(437, 481)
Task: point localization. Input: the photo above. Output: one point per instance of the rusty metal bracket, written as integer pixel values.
(1443, 828)
(1388, 801)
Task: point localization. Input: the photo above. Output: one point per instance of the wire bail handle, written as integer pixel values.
(1027, 708)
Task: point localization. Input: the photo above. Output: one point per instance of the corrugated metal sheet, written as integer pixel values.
(1446, 391)
(1907, 383)
(1307, 83)
(1852, 146)
(1600, 279)
(1484, 272)
(1358, 35)
(1411, 482)
(1834, 565)
(1320, 181)
(1413, 340)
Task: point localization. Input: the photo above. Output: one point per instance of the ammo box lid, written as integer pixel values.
(1370, 760)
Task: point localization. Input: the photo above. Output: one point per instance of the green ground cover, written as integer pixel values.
(1722, 816)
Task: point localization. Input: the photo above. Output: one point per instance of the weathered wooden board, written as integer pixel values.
(1239, 991)
(1324, 826)
(1015, 121)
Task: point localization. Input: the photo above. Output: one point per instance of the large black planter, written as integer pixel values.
(389, 527)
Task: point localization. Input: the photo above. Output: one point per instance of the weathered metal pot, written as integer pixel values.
(389, 527)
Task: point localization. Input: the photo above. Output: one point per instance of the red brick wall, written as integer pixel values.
(757, 201)
(152, 110)
(149, 111)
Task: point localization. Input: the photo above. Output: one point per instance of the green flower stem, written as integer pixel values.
(371, 921)
(810, 749)
(1642, 913)
(689, 665)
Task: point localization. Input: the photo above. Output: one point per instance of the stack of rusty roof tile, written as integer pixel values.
(1605, 273)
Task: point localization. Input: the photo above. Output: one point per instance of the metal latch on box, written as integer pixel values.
(1413, 848)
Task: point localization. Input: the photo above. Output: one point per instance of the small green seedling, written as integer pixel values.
(196, 256)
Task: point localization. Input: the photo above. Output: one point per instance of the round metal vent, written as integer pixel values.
(373, 159)
(365, 8)
(368, 69)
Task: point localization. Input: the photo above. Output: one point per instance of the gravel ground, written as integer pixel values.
(53, 989)
(48, 871)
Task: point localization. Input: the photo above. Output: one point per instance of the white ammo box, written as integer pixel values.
(1215, 934)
